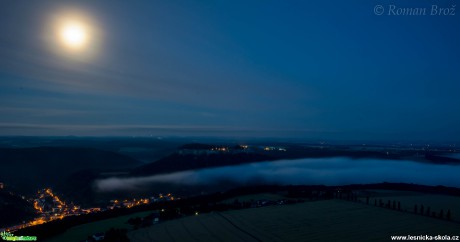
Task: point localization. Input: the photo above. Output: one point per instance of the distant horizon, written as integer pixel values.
(242, 139)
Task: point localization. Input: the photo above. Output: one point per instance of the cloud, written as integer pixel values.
(327, 171)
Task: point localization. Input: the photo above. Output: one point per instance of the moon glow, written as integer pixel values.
(73, 35)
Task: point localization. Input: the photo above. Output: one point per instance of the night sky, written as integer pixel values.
(302, 69)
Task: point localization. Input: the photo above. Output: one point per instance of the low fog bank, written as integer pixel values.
(326, 171)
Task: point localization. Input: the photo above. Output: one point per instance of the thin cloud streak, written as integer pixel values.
(41, 70)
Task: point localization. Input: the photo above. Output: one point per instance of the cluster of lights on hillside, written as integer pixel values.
(50, 207)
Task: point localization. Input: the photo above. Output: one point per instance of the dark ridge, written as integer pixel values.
(80, 157)
(37, 167)
(438, 159)
(196, 156)
(453, 191)
(14, 209)
(181, 162)
(196, 146)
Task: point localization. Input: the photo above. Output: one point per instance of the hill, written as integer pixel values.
(14, 209)
(27, 169)
(197, 156)
(181, 162)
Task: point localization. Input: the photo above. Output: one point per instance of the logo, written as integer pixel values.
(7, 236)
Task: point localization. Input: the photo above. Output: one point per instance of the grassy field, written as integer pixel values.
(259, 196)
(81, 232)
(330, 220)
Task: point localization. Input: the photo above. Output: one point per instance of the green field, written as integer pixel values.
(330, 220)
(259, 196)
(81, 232)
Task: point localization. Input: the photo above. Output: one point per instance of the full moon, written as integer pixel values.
(73, 35)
